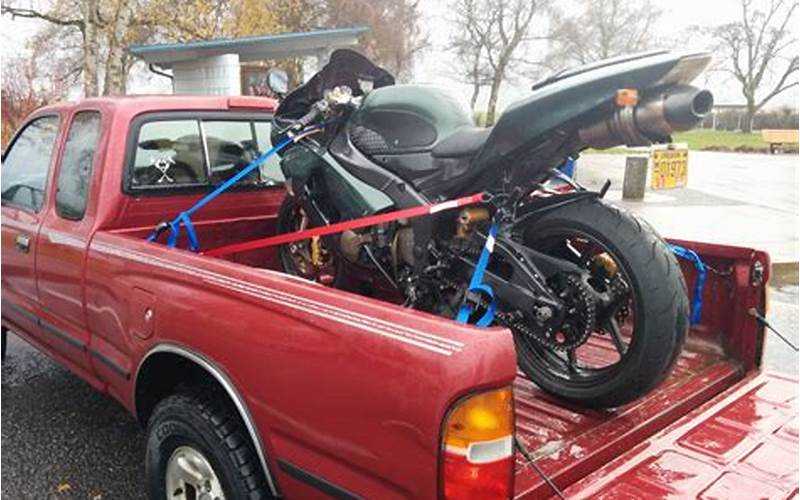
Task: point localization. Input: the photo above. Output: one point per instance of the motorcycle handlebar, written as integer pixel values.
(332, 101)
(309, 117)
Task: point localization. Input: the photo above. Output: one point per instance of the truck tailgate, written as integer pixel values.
(570, 443)
(742, 444)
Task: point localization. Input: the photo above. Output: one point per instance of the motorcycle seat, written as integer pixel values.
(464, 142)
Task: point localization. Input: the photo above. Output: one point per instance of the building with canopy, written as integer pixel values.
(234, 66)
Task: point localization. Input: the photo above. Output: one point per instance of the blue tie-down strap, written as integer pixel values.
(478, 288)
(568, 167)
(175, 229)
(702, 270)
(184, 218)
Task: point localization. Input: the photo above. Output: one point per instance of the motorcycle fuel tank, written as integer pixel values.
(403, 119)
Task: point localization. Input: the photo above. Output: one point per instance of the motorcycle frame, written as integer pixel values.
(527, 287)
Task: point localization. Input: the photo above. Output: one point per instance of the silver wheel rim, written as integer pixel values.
(190, 476)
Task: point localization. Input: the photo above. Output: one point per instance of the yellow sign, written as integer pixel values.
(670, 168)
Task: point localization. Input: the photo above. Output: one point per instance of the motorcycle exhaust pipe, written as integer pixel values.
(679, 108)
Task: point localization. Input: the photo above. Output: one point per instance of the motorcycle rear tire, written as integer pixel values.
(662, 307)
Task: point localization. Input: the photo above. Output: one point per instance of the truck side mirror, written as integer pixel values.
(278, 81)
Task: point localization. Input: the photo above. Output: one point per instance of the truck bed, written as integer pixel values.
(740, 445)
(569, 443)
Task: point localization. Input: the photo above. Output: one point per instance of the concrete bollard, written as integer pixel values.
(635, 178)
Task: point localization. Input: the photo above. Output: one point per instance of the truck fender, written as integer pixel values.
(224, 381)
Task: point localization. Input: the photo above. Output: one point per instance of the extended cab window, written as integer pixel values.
(75, 173)
(26, 163)
(188, 152)
(169, 153)
(231, 147)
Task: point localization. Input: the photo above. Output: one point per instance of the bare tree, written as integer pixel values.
(30, 81)
(395, 34)
(760, 50)
(118, 36)
(106, 28)
(467, 42)
(494, 30)
(80, 15)
(510, 27)
(602, 29)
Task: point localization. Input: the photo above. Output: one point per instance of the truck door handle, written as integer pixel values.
(23, 242)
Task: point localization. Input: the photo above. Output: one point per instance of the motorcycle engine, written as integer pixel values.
(397, 240)
(393, 242)
(390, 248)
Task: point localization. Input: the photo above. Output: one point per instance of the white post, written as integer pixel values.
(635, 180)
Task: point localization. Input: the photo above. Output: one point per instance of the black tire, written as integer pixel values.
(204, 419)
(286, 224)
(659, 291)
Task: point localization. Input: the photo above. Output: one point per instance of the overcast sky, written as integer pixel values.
(435, 65)
(678, 15)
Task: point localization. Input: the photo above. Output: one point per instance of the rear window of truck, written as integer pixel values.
(169, 152)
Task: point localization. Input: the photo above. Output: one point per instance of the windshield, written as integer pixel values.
(346, 67)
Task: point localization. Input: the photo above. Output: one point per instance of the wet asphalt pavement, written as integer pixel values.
(60, 438)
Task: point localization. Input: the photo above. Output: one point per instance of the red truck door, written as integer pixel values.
(26, 165)
(64, 238)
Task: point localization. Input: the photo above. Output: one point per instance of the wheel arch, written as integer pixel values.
(172, 365)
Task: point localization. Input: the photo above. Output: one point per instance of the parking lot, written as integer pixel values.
(62, 438)
(748, 200)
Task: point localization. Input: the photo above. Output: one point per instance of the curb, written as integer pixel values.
(784, 274)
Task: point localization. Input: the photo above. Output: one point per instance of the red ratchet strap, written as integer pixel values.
(406, 213)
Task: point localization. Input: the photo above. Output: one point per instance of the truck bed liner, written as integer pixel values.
(740, 445)
(570, 442)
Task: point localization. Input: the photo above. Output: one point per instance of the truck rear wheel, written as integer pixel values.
(197, 447)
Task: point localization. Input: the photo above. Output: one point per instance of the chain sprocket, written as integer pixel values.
(578, 324)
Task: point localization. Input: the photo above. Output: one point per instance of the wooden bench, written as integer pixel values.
(777, 139)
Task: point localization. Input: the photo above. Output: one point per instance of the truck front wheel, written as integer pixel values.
(197, 447)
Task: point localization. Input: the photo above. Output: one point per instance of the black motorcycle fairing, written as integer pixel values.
(576, 70)
(354, 161)
(436, 178)
(345, 67)
(534, 207)
(418, 132)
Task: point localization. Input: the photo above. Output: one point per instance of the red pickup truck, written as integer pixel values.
(252, 383)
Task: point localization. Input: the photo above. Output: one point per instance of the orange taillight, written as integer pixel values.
(477, 456)
(627, 97)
